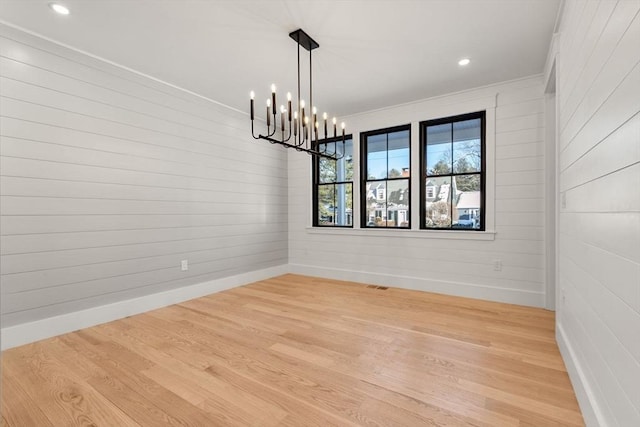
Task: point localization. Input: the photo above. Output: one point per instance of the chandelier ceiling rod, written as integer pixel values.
(304, 139)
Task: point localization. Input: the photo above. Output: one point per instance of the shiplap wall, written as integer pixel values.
(598, 90)
(428, 260)
(109, 179)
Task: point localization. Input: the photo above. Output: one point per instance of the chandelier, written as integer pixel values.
(299, 130)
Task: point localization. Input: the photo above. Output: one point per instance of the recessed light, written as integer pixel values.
(464, 61)
(58, 8)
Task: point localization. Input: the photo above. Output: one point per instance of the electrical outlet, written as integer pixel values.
(497, 265)
(184, 265)
(564, 200)
(563, 297)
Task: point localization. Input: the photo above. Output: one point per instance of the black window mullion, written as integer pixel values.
(481, 173)
(451, 183)
(365, 181)
(334, 184)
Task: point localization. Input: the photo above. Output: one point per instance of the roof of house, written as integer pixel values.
(469, 200)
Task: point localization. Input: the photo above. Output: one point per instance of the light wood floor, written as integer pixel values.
(299, 351)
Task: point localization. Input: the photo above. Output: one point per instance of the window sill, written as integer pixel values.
(408, 234)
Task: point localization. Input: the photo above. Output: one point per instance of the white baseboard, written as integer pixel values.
(25, 333)
(469, 290)
(586, 398)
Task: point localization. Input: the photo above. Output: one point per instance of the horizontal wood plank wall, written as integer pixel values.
(110, 179)
(460, 267)
(599, 129)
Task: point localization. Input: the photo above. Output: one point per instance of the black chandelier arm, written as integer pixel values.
(303, 128)
(253, 133)
(324, 150)
(283, 131)
(303, 149)
(270, 134)
(275, 127)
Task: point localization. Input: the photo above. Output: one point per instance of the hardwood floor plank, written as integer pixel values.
(528, 418)
(72, 400)
(112, 357)
(551, 411)
(295, 350)
(18, 407)
(273, 373)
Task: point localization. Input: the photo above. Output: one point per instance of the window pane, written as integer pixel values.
(376, 204)
(398, 203)
(327, 168)
(343, 210)
(377, 165)
(467, 204)
(333, 204)
(377, 156)
(466, 146)
(326, 198)
(344, 167)
(438, 149)
(398, 156)
(438, 207)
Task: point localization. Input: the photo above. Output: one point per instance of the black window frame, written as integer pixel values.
(315, 166)
(483, 168)
(364, 176)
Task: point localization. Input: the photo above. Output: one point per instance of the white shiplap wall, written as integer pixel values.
(429, 260)
(598, 91)
(110, 179)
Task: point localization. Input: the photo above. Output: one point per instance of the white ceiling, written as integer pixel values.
(373, 53)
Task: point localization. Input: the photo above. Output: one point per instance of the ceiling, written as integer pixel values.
(372, 54)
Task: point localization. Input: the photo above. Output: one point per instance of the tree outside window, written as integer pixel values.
(452, 166)
(333, 185)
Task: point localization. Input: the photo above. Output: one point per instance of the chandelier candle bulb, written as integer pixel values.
(268, 116)
(315, 116)
(273, 99)
(304, 133)
(324, 117)
(252, 94)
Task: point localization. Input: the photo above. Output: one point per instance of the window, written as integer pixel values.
(385, 189)
(333, 185)
(452, 165)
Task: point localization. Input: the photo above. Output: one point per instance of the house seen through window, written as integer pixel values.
(453, 172)
(385, 188)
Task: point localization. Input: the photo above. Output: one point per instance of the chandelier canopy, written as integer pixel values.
(298, 129)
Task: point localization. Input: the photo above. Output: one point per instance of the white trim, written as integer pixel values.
(550, 63)
(551, 188)
(405, 233)
(586, 398)
(422, 110)
(468, 290)
(436, 98)
(25, 333)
